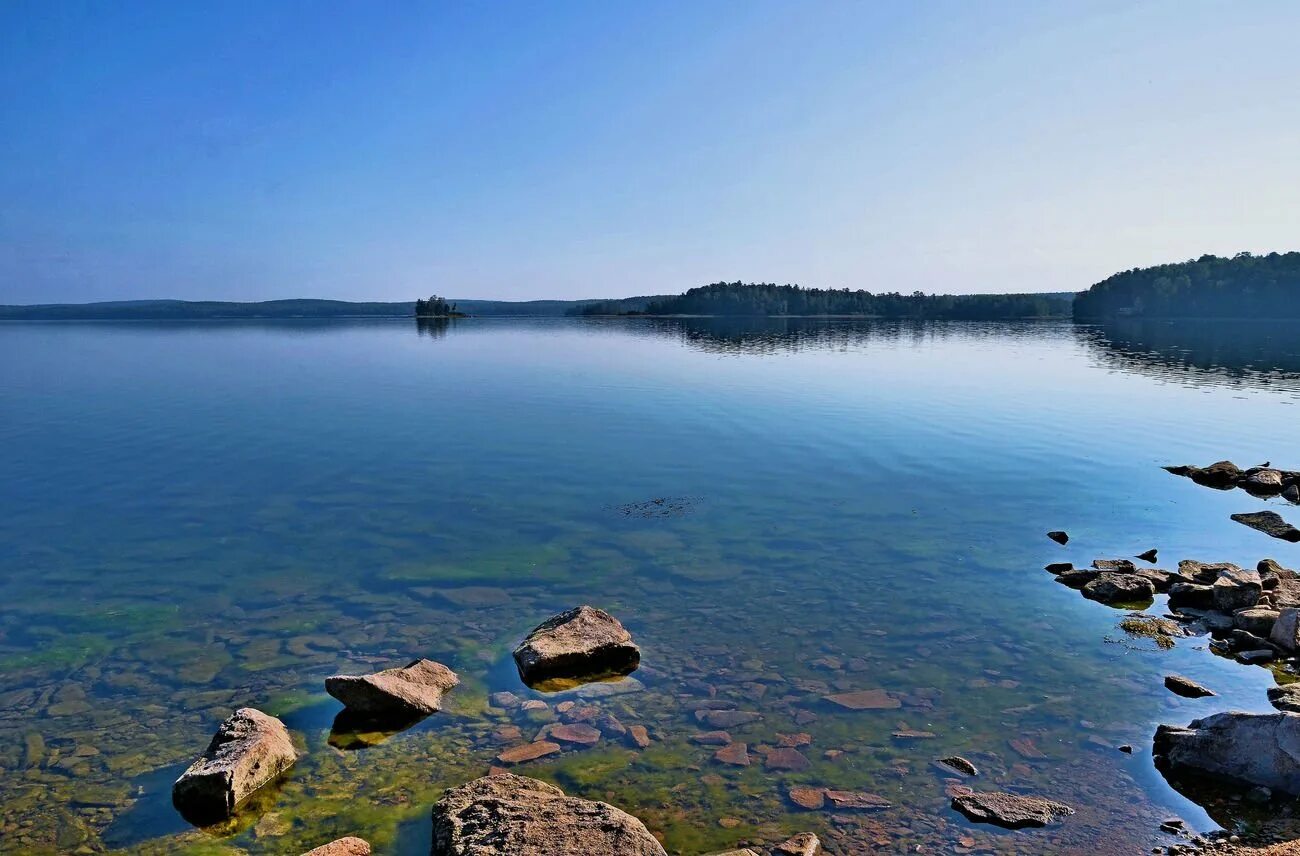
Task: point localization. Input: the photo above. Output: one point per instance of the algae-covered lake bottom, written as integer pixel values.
(196, 517)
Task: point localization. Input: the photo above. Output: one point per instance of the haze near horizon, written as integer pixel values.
(352, 151)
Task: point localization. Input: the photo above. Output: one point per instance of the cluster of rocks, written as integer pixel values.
(1262, 480)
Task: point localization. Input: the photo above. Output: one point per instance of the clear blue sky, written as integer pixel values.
(381, 150)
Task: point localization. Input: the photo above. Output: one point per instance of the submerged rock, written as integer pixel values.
(803, 844)
(413, 690)
(865, 700)
(1111, 587)
(580, 643)
(1254, 749)
(1270, 523)
(248, 751)
(1010, 810)
(1186, 687)
(349, 846)
(960, 764)
(508, 815)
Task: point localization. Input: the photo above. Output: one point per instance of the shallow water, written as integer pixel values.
(201, 516)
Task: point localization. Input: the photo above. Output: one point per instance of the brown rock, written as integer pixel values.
(577, 732)
(737, 755)
(809, 798)
(349, 846)
(528, 752)
(711, 738)
(1009, 810)
(726, 718)
(248, 751)
(415, 689)
(865, 700)
(583, 642)
(856, 801)
(786, 758)
(638, 735)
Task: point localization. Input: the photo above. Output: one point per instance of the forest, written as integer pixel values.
(1243, 286)
(750, 299)
(435, 307)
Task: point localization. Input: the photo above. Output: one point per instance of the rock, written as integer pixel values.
(577, 732)
(580, 643)
(856, 801)
(1059, 536)
(1186, 687)
(1077, 579)
(508, 814)
(1119, 566)
(711, 738)
(1009, 810)
(1148, 556)
(1058, 567)
(506, 700)
(1270, 523)
(1254, 749)
(960, 764)
(249, 750)
(349, 846)
(528, 752)
(803, 844)
(1119, 588)
(1292, 494)
(1256, 620)
(1256, 657)
(786, 759)
(865, 700)
(736, 754)
(1222, 474)
(726, 718)
(1286, 630)
(1263, 481)
(1235, 588)
(638, 735)
(1191, 595)
(809, 798)
(1285, 698)
(413, 690)
(744, 851)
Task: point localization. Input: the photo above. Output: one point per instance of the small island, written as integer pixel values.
(436, 307)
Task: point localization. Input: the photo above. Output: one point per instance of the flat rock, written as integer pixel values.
(1058, 536)
(577, 732)
(960, 764)
(735, 754)
(413, 690)
(1255, 620)
(1119, 566)
(726, 718)
(1110, 587)
(528, 752)
(865, 700)
(349, 846)
(1009, 810)
(509, 815)
(711, 738)
(638, 735)
(580, 643)
(786, 758)
(803, 844)
(1285, 698)
(1270, 523)
(1254, 749)
(249, 750)
(806, 797)
(1186, 687)
(856, 801)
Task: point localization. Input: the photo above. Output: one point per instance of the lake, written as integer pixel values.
(196, 517)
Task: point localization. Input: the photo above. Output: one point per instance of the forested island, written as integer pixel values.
(436, 307)
(1244, 286)
(767, 299)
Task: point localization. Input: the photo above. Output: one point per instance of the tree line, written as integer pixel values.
(757, 299)
(1244, 286)
(435, 306)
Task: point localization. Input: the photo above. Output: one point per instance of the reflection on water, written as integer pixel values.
(197, 517)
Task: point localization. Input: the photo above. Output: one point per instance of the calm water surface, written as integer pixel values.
(196, 517)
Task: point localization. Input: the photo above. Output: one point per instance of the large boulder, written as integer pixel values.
(1236, 588)
(1270, 523)
(1254, 749)
(508, 815)
(1110, 587)
(582, 642)
(249, 750)
(413, 690)
(1286, 629)
(1010, 810)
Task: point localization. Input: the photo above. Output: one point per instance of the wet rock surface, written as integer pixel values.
(249, 750)
(1010, 810)
(577, 644)
(509, 815)
(1254, 749)
(1112, 587)
(413, 690)
(1270, 523)
(1186, 687)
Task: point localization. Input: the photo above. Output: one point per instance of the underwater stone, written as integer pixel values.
(350, 846)
(865, 700)
(507, 814)
(803, 844)
(416, 688)
(1009, 810)
(581, 642)
(249, 750)
(528, 752)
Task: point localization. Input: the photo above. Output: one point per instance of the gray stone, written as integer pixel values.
(1254, 749)
(1286, 629)
(1285, 698)
(580, 643)
(1186, 687)
(1009, 810)
(1264, 481)
(1257, 620)
(1270, 523)
(508, 815)
(1111, 587)
(1191, 595)
(413, 690)
(1235, 588)
(249, 750)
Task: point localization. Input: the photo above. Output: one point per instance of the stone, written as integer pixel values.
(1111, 587)
(639, 736)
(1186, 687)
(413, 690)
(1058, 567)
(1256, 620)
(960, 764)
(1286, 630)
(805, 797)
(249, 750)
(1009, 810)
(1253, 749)
(1149, 555)
(711, 738)
(1285, 698)
(1077, 579)
(577, 732)
(1191, 596)
(508, 814)
(580, 643)
(736, 754)
(856, 801)
(349, 846)
(865, 700)
(1059, 536)
(726, 718)
(785, 758)
(803, 844)
(1235, 588)
(1292, 494)
(528, 752)
(1263, 481)
(506, 700)
(1270, 523)
(1119, 566)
